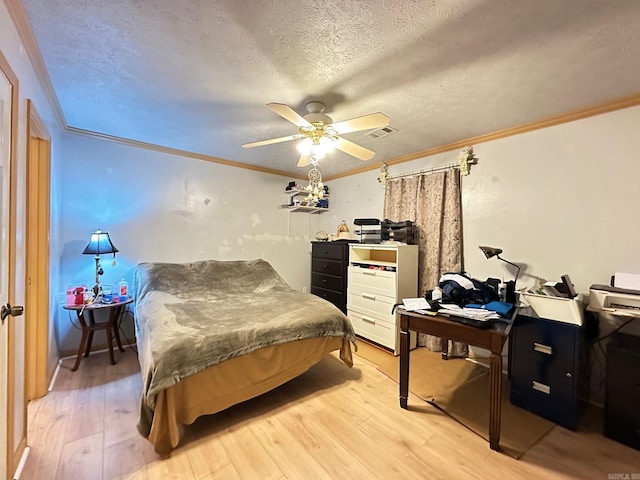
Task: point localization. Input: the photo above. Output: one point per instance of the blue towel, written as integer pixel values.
(502, 308)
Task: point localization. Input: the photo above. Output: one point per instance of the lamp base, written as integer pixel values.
(510, 295)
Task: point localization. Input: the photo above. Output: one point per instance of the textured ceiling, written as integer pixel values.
(195, 75)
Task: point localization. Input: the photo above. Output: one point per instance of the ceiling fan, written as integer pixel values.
(320, 135)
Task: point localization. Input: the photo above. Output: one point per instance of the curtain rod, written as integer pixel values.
(422, 172)
(466, 158)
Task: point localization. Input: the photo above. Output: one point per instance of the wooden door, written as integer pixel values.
(13, 406)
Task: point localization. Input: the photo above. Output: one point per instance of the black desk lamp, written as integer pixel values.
(99, 244)
(490, 252)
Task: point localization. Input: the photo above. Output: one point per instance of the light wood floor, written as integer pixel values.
(331, 423)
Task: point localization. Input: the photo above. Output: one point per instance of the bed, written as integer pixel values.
(212, 334)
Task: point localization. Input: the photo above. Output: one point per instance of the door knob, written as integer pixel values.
(9, 310)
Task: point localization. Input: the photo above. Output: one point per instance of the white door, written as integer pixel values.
(7, 311)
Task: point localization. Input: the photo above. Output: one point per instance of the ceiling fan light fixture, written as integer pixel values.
(304, 147)
(327, 144)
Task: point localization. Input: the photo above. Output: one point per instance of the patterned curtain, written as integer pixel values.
(433, 202)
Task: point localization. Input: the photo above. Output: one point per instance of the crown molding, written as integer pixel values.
(19, 17)
(176, 151)
(600, 109)
(16, 11)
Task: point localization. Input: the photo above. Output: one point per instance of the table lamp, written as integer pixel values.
(490, 252)
(99, 244)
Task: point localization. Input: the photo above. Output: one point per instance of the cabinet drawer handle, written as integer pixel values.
(539, 347)
(368, 296)
(369, 272)
(368, 320)
(541, 387)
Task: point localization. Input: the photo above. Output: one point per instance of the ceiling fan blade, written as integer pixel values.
(285, 111)
(353, 149)
(305, 159)
(273, 140)
(366, 122)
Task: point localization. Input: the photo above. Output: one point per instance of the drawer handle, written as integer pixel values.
(324, 280)
(369, 272)
(541, 387)
(539, 347)
(368, 320)
(368, 296)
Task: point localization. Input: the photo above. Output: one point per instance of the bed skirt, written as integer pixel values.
(234, 381)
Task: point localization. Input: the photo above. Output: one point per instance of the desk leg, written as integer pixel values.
(83, 340)
(404, 368)
(495, 400)
(445, 348)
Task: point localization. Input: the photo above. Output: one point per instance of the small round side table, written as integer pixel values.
(86, 312)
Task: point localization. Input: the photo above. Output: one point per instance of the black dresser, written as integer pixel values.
(622, 395)
(329, 262)
(549, 369)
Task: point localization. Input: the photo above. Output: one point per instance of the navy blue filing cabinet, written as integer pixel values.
(622, 396)
(549, 368)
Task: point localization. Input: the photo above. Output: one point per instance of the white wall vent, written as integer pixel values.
(381, 132)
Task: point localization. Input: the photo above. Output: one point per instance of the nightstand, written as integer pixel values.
(89, 325)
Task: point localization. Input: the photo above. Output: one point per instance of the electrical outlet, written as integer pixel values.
(304, 289)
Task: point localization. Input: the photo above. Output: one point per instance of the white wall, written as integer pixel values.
(161, 207)
(559, 200)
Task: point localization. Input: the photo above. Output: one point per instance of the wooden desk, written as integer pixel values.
(114, 309)
(492, 339)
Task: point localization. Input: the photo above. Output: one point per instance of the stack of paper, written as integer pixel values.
(472, 313)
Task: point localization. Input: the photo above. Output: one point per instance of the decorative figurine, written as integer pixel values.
(343, 230)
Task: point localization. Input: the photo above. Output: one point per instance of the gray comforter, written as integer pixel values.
(192, 316)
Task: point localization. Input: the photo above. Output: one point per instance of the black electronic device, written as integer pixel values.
(366, 221)
(403, 232)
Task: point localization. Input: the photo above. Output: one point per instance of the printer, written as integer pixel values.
(614, 300)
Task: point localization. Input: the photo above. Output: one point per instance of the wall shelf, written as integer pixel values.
(305, 209)
(301, 208)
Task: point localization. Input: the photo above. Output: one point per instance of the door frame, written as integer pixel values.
(38, 203)
(13, 451)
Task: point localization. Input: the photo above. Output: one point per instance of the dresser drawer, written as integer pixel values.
(544, 380)
(331, 267)
(372, 304)
(373, 281)
(334, 251)
(337, 298)
(373, 328)
(541, 339)
(550, 394)
(328, 282)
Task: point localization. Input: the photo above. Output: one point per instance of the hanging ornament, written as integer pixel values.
(315, 189)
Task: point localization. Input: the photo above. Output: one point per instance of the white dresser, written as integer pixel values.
(379, 277)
